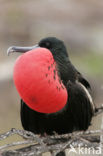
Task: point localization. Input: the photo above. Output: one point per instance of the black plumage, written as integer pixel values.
(79, 109)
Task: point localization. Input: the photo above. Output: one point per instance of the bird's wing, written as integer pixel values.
(29, 118)
(74, 74)
(24, 115)
(83, 81)
(79, 105)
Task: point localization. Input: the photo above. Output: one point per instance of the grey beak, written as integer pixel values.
(13, 49)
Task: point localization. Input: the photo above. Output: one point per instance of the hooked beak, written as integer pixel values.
(13, 49)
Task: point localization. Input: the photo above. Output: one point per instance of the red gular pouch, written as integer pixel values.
(37, 81)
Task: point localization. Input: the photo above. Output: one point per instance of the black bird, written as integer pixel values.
(79, 108)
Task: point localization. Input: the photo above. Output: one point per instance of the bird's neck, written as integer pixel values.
(66, 69)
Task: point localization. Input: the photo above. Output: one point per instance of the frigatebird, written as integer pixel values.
(55, 97)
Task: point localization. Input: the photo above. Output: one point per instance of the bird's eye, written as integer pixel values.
(48, 44)
(45, 45)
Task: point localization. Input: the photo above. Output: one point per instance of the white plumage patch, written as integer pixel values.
(88, 95)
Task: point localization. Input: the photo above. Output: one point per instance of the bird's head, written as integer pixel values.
(36, 75)
(55, 45)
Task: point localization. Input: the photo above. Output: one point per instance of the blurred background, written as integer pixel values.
(23, 23)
